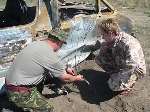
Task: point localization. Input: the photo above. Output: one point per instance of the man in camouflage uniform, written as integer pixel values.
(29, 71)
(120, 55)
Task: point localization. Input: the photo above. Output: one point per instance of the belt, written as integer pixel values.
(18, 88)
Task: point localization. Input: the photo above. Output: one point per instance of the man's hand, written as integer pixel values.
(71, 75)
(71, 71)
(79, 78)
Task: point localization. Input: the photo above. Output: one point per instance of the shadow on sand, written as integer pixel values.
(95, 93)
(98, 90)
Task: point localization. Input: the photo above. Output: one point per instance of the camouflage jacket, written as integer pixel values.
(125, 56)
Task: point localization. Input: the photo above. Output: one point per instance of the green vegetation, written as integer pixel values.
(2, 4)
(147, 13)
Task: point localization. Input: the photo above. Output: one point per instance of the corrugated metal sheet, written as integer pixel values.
(81, 33)
(12, 40)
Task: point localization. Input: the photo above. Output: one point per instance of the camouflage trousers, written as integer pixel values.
(32, 101)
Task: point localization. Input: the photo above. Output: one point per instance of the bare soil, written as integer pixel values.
(97, 97)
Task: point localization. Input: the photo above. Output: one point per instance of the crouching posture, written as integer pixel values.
(120, 55)
(27, 73)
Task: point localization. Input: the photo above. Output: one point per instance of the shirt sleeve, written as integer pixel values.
(55, 66)
(96, 46)
(133, 70)
(58, 69)
(134, 60)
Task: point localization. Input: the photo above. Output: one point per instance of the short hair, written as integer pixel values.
(108, 25)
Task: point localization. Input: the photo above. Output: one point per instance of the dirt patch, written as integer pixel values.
(97, 97)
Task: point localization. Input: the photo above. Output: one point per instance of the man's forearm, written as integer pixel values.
(71, 78)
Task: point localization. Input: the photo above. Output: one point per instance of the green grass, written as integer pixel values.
(2, 4)
(147, 13)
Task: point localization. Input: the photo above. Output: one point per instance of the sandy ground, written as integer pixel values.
(97, 97)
